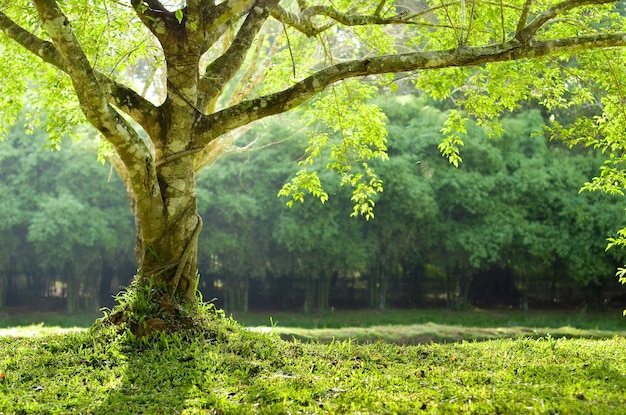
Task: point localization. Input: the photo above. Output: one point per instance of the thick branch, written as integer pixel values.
(204, 22)
(215, 34)
(221, 70)
(347, 19)
(94, 104)
(295, 20)
(154, 16)
(123, 97)
(529, 31)
(303, 22)
(213, 37)
(194, 8)
(523, 19)
(212, 126)
(224, 13)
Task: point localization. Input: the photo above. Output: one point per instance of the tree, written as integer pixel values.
(236, 248)
(169, 85)
(403, 230)
(61, 226)
(323, 245)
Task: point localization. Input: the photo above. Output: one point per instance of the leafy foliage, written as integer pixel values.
(357, 128)
(66, 213)
(436, 227)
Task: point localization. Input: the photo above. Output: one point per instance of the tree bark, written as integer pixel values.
(170, 261)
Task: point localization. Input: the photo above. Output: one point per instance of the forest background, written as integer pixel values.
(508, 227)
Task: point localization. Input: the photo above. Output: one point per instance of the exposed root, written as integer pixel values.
(181, 271)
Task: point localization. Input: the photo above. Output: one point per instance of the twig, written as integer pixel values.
(293, 62)
(175, 156)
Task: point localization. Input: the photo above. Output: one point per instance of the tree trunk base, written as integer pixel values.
(123, 318)
(145, 310)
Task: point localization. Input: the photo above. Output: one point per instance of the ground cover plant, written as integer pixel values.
(228, 369)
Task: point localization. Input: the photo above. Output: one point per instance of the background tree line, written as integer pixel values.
(508, 227)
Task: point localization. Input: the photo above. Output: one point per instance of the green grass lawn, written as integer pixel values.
(607, 320)
(439, 326)
(231, 370)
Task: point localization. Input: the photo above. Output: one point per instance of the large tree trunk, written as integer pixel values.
(170, 262)
(166, 247)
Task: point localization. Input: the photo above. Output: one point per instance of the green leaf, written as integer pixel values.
(179, 15)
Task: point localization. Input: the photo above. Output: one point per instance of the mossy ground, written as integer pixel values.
(228, 369)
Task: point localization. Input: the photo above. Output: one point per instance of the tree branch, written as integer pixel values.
(194, 8)
(525, 34)
(94, 104)
(224, 12)
(209, 127)
(380, 7)
(154, 16)
(303, 22)
(204, 22)
(347, 19)
(523, 19)
(295, 20)
(222, 69)
(123, 97)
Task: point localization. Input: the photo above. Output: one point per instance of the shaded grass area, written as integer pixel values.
(47, 319)
(435, 333)
(439, 326)
(611, 320)
(237, 371)
(393, 326)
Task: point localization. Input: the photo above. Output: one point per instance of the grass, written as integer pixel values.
(22, 323)
(439, 326)
(239, 371)
(608, 320)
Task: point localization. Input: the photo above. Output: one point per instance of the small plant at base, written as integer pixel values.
(145, 313)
